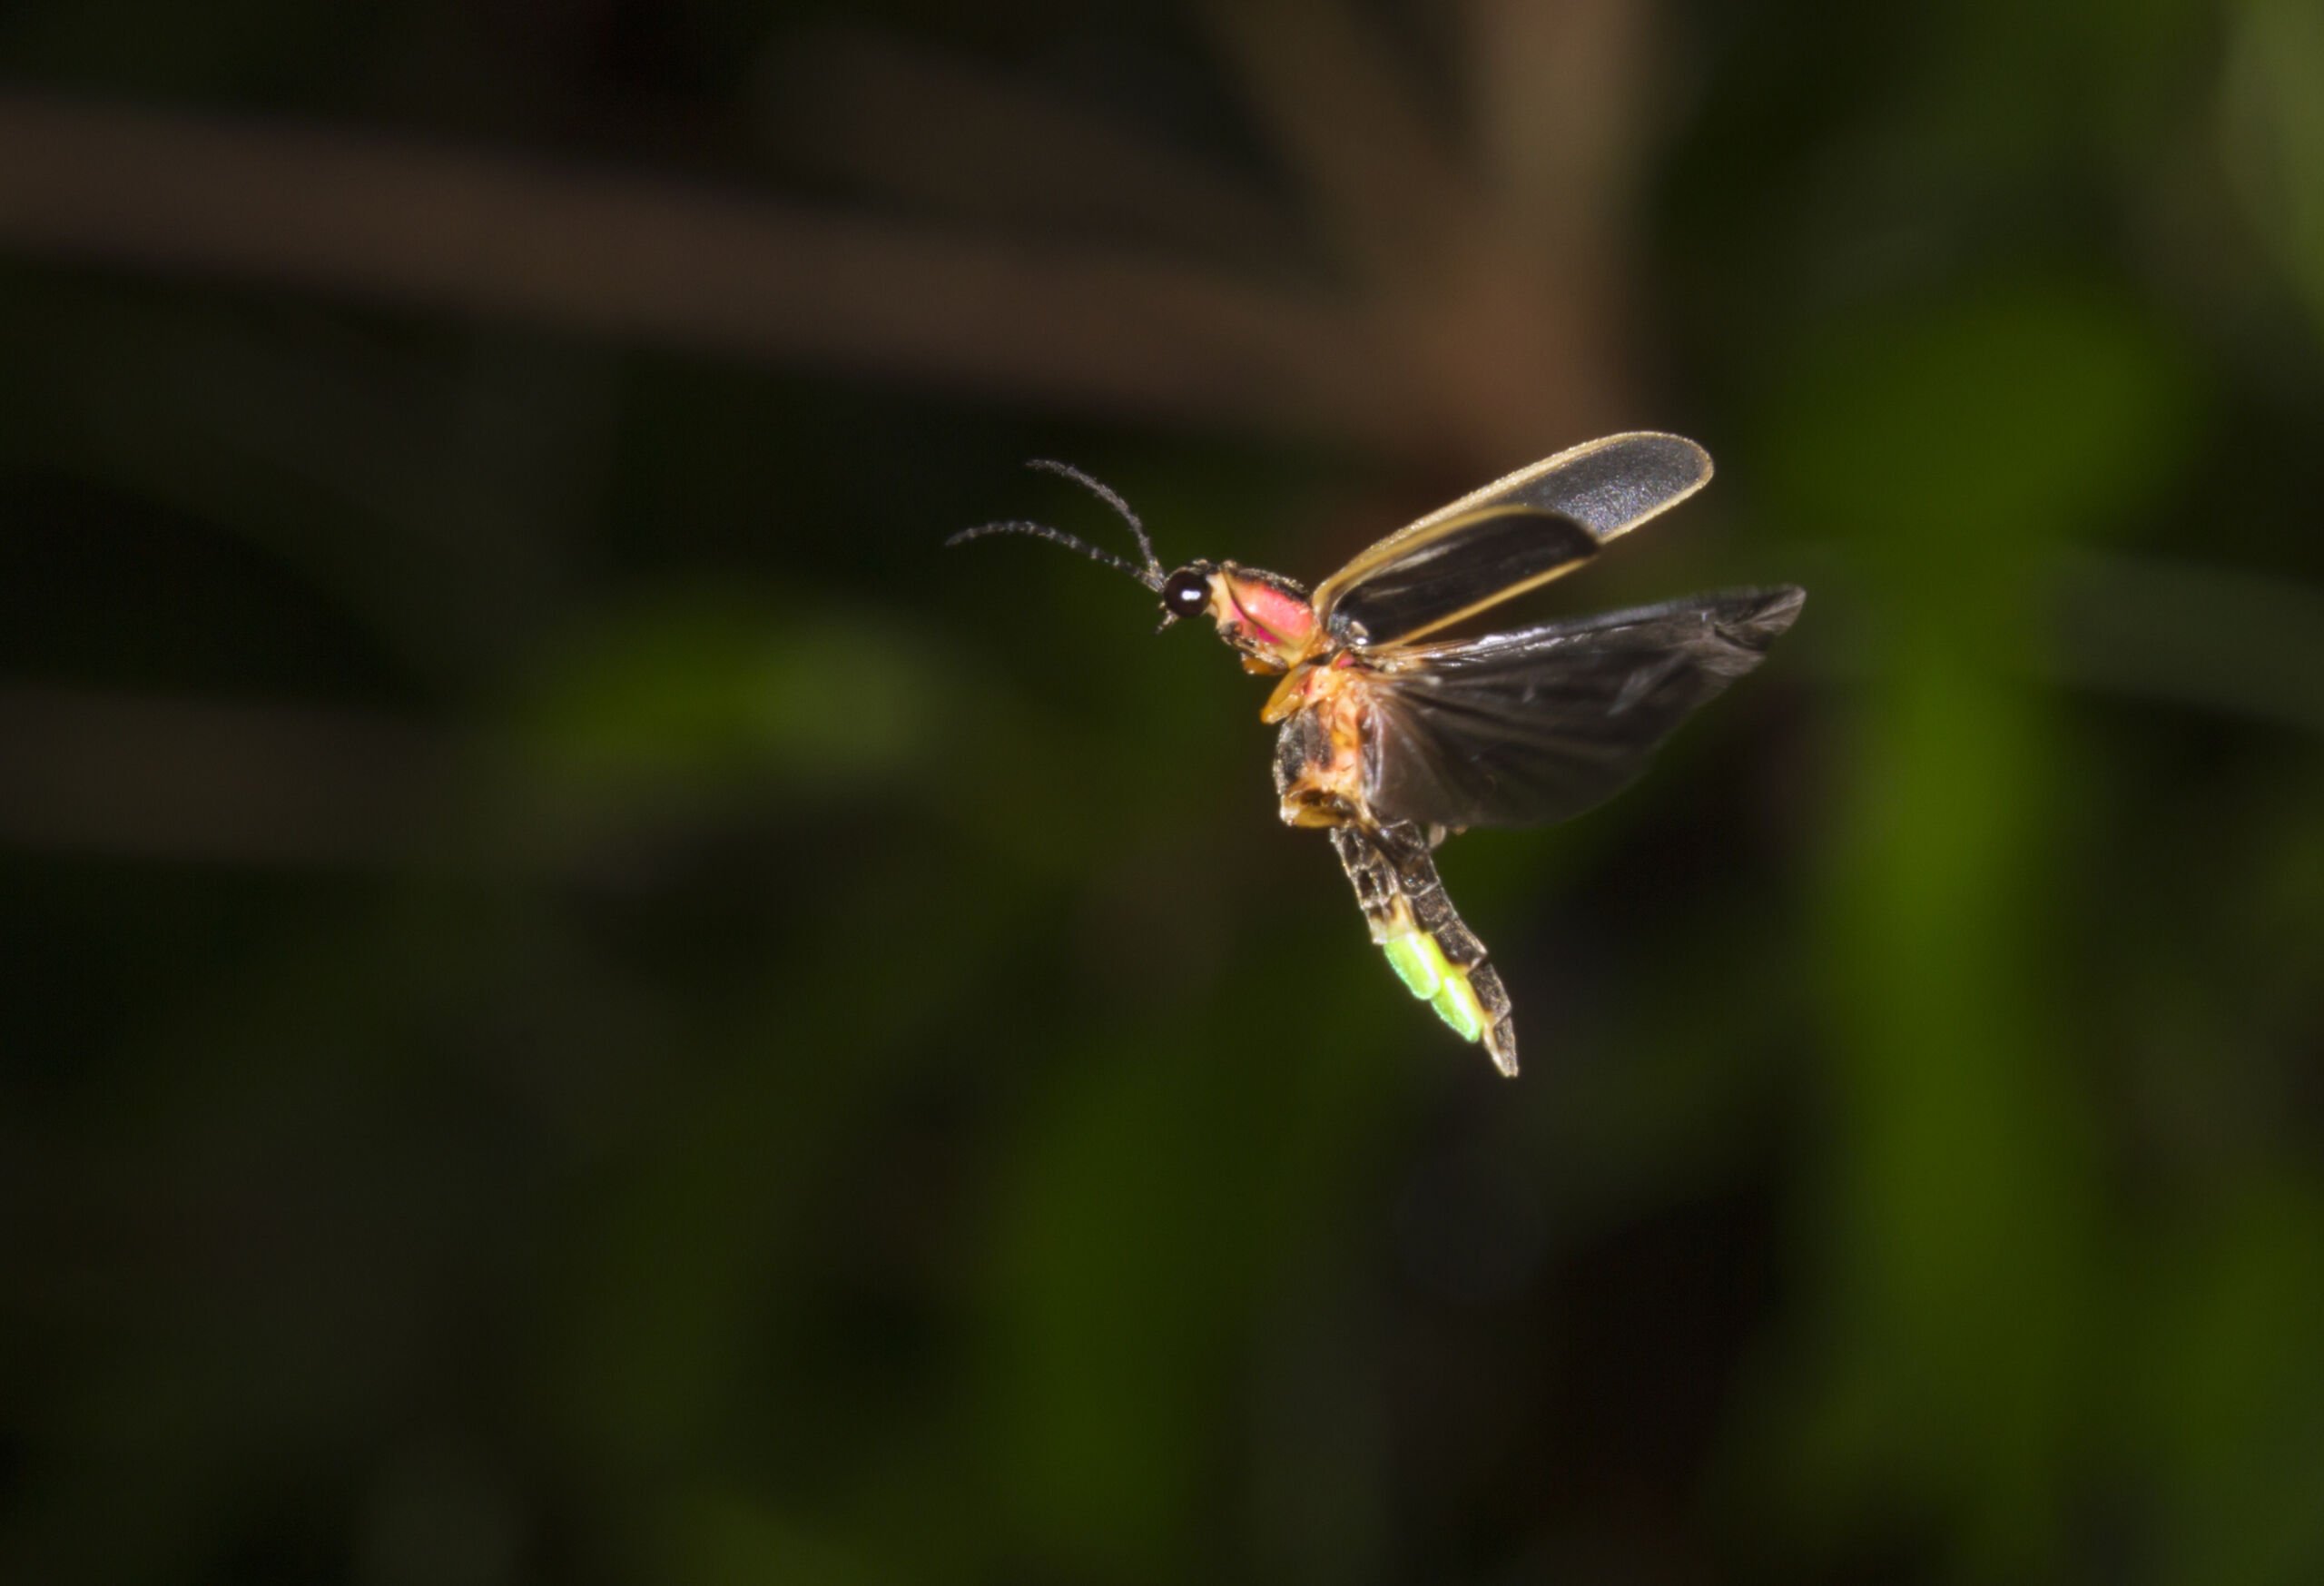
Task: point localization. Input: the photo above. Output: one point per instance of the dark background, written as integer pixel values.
(580, 1002)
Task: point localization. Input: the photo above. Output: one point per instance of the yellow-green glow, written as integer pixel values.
(1456, 1004)
(1417, 962)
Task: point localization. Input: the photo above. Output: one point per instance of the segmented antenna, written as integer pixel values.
(1151, 574)
(1112, 498)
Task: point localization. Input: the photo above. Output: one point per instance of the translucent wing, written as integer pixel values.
(1471, 562)
(1524, 728)
(1511, 535)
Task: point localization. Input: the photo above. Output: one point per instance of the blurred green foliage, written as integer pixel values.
(583, 1004)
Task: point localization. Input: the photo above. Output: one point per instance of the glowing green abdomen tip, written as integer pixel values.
(1457, 1006)
(1418, 963)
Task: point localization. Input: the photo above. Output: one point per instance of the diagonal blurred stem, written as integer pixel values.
(1344, 113)
(1561, 89)
(389, 221)
(1508, 327)
(2271, 121)
(859, 106)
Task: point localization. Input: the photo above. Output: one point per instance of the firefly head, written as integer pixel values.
(1187, 592)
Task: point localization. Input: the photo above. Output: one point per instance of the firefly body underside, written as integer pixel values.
(1392, 738)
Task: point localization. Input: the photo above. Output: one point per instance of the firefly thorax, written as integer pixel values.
(1265, 616)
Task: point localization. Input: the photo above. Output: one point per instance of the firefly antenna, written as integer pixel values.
(1112, 498)
(1151, 574)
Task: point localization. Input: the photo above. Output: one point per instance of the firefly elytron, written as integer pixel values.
(1393, 738)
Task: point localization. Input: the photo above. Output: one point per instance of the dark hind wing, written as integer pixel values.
(1512, 535)
(1524, 728)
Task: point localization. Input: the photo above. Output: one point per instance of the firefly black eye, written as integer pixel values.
(1187, 594)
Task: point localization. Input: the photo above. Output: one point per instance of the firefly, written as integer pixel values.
(1392, 736)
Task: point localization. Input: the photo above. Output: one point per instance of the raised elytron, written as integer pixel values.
(1393, 738)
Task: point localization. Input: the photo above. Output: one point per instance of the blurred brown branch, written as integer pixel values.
(645, 256)
(1479, 324)
(1382, 179)
(857, 107)
(1485, 289)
